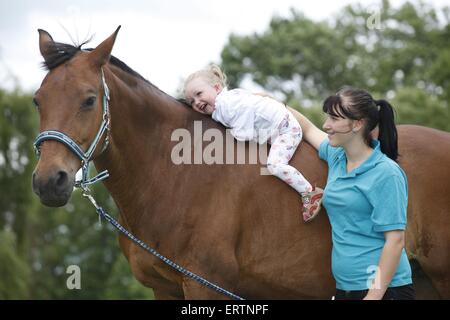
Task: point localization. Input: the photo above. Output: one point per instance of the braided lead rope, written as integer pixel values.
(103, 214)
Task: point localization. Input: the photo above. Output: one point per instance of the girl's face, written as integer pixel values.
(340, 130)
(201, 95)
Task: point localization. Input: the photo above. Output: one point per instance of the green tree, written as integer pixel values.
(16, 126)
(417, 107)
(16, 157)
(14, 269)
(302, 61)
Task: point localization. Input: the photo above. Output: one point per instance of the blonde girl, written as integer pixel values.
(254, 117)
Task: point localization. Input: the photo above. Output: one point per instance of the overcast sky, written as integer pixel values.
(163, 40)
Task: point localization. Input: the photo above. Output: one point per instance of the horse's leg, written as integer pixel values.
(163, 288)
(439, 271)
(439, 278)
(161, 294)
(145, 274)
(433, 253)
(150, 272)
(217, 273)
(422, 283)
(437, 268)
(427, 235)
(220, 269)
(196, 291)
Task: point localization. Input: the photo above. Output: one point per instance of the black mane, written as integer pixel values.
(62, 52)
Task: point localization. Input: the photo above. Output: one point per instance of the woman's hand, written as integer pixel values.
(387, 266)
(373, 296)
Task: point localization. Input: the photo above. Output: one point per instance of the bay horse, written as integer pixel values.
(227, 223)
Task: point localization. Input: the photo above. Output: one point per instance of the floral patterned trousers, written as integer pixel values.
(284, 144)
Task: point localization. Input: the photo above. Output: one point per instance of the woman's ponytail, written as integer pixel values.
(387, 129)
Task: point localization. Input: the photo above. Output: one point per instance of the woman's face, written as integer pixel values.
(340, 130)
(201, 95)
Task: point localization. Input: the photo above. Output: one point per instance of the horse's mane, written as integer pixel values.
(62, 52)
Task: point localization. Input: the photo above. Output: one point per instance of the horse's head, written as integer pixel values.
(69, 101)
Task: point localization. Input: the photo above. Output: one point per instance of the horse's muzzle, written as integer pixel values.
(53, 190)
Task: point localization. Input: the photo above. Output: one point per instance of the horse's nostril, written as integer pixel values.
(34, 183)
(61, 179)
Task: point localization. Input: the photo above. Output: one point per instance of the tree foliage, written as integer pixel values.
(403, 56)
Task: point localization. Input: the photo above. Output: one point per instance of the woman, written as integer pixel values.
(365, 197)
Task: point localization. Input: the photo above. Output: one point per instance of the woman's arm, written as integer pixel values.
(311, 133)
(387, 266)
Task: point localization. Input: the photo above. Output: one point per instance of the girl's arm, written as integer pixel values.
(387, 266)
(311, 133)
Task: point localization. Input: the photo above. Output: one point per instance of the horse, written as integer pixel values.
(230, 224)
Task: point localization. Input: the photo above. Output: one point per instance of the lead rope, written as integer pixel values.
(103, 214)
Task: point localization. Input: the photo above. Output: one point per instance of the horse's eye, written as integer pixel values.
(89, 102)
(36, 104)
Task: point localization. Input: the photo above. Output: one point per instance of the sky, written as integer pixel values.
(163, 40)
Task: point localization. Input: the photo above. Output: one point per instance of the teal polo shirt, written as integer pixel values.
(361, 206)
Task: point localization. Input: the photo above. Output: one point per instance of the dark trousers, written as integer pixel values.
(396, 293)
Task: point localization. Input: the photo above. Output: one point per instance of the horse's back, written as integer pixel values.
(425, 157)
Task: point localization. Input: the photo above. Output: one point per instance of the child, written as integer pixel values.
(252, 116)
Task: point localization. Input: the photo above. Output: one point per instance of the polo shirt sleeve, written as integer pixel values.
(327, 152)
(389, 200)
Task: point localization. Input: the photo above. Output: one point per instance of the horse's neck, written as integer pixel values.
(142, 119)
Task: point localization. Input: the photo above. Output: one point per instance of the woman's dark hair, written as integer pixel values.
(358, 104)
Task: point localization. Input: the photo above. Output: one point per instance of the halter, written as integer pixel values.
(85, 157)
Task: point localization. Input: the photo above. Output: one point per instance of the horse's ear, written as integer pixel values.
(100, 55)
(46, 43)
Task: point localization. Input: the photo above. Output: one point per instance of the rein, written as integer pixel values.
(85, 182)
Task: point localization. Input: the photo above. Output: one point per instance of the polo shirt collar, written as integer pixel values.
(368, 164)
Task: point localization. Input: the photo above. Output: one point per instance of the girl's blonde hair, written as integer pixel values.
(212, 73)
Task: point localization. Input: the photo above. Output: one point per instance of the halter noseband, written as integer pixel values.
(85, 157)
